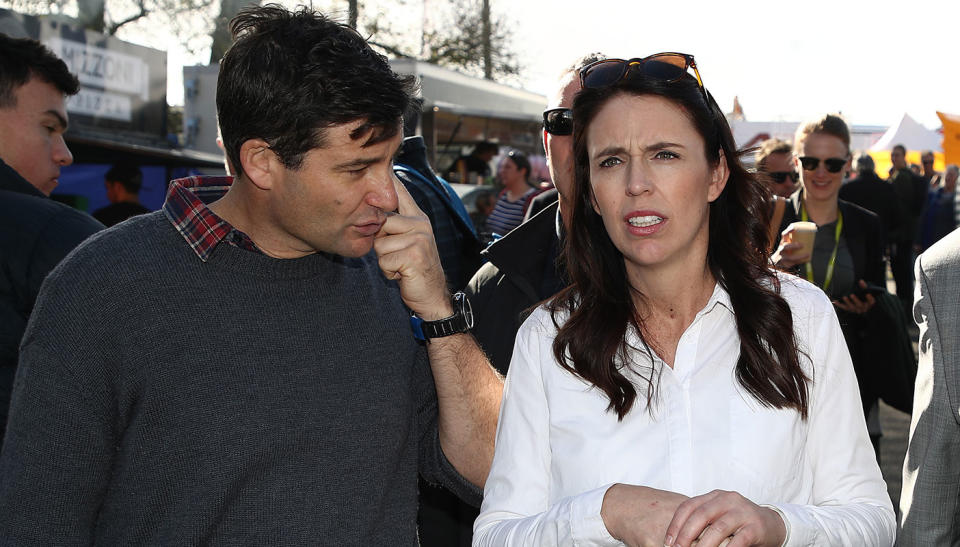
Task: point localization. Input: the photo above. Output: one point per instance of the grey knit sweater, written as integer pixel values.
(162, 400)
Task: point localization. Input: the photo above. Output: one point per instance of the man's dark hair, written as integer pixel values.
(901, 148)
(25, 58)
(290, 75)
(865, 164)
(128, 175)
(486, 147)
(768, 148)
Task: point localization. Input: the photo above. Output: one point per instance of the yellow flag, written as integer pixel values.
(951, 137)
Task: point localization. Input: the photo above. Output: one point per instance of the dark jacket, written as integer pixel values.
(938, 218)
(541, 202)
(912, 195)
(35, 234)
(873, 194)
(862, 232)
(457, 243)
(521, 272)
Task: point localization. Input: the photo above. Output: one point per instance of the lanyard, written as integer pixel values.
(833, 255)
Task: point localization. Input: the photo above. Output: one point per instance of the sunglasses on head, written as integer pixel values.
(558, 121)
(665, 67)
(780, 177)
(833, 165)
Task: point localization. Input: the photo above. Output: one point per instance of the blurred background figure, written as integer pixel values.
(939, 214)
(123, 182)
(928, 173)
(475, 167)
(484, 206)
(515, 197)
(869, 191)
(951, 180)
(775, 166)
(911, 195)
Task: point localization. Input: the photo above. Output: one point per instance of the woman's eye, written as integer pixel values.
(665, 155)
(610, 162)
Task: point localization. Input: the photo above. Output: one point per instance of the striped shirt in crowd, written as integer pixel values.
(507, 214)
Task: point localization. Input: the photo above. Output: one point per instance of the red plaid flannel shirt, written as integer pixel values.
(186, 208)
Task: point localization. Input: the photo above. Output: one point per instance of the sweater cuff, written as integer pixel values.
(586, 523)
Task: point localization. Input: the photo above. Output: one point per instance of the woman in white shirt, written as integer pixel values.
(679, 392)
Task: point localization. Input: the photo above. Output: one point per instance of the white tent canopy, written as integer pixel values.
(910, 134)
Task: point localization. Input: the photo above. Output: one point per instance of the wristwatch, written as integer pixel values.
(460, 321)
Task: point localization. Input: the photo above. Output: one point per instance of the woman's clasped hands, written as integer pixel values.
(646, 517)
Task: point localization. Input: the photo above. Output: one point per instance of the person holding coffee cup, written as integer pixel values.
(847, 253)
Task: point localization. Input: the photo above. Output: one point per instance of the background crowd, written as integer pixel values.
(565, 241)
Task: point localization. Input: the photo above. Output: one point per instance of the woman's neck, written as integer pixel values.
(669, 303)
(820, 212)
(673, 293)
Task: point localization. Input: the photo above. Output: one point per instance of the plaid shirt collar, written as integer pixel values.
(186, 208)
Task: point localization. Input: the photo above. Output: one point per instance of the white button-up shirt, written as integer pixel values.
(559, 449)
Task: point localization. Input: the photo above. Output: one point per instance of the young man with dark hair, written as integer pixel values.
(35, 231)
(123, 183)
(243, 369)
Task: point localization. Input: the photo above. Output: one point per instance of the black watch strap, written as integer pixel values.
(460, 321)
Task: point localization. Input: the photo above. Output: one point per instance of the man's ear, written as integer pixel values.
(260, 164)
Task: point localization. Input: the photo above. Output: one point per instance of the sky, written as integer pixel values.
(785, 61)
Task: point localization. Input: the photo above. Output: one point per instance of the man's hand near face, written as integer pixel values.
(468, 388)
(408, 253)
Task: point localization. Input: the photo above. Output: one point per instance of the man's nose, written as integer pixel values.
(383, 193)
(61, 154)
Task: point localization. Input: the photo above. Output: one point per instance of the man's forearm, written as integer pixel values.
(468, 393)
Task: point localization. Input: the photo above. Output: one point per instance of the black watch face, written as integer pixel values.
(467, 309)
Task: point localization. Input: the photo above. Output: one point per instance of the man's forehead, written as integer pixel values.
(42, 98)
(568, 87)
(340, 148)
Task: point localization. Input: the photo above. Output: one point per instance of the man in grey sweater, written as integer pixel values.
(240, 368)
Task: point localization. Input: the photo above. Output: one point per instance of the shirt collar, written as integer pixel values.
(12, 181)
(186, 208)
(720, 297)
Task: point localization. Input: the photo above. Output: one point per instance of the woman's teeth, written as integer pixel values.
(642, 222)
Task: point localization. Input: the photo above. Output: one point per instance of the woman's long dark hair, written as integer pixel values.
(592, 342)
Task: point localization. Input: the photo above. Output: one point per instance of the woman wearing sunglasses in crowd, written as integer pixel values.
(679, 390)
(847, 255)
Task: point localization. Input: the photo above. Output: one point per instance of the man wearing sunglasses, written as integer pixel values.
(521, 267)
(774, 162)
(930, 175)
